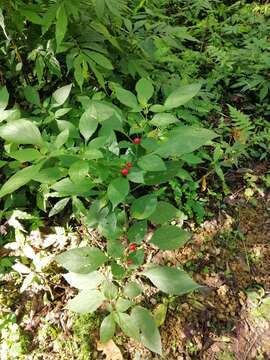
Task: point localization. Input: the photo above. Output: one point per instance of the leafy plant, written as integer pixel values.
(109, 179)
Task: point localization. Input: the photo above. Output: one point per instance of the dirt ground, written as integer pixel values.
(230, 318)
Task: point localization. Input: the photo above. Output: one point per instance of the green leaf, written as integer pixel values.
(4, 96)
(21, 132)
(19, 179)
(137, 232)
(132, 290)
(78, 171)
(49, 175)
(61, 138)
(58, 207)
(163, 119)
(118, 190)
(32, 16)
(81, 260)
(88, 281)
(87, 301)
(61, 25)
(107, 328)
(24, 155)
(159, 177)
(143, 207)
(182, 95)
(150, 336)
(88, 122)
(67, 188)
(100, 59)
(171, 280)
(127, 325)
(160, 313)
(169, 237)
(60, 95)
(183, 140)
(152, 163)
(31, 95)
(109, 290)
(145, 91)
(136, 175)
(122, 305)
(126, 97)
(163, 213)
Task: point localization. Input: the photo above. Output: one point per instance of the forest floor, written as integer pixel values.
(229, 318)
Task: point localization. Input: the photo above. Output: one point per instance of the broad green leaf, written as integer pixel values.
(19, 179)
(143, 207)
(61, 112)
(169, 237)
(61, 25)
(109, 290)
(159, 177)
(67, 125)
(118, 190)
(60, 95)
(87, 301)
(137, 232)
(81, 260)
(50, 175)
(59, 206)
(157, 108)
(32, 16)
(31, 95)
(107, 329)
(67, 188)
(118, 271)
(4, 96)
(132, 290)
(183, 140)
(171, 280)
(10, 115)
(163, 213)
(127, 325)
(100, 59)
(182, 95)
(21, 132)
(78, 171)
(122, 305)
(88, 122)
(150, 336)
(163, 119)
(24, 155)
(145, 91)
(126, 97)
(152, 163)
(61, 138)
(88, 281)
(136, 175)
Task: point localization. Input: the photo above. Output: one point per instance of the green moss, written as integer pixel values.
(85, 330)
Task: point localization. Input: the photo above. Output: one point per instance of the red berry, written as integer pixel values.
(129, 262)
(129, 165)
(132, 247)
(124, 172)
(137, 141)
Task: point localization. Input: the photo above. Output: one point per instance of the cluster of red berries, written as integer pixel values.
(129, 165)
(132, 247)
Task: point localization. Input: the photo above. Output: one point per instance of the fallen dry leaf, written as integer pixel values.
(111, 350)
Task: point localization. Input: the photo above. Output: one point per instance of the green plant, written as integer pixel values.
(88, 172)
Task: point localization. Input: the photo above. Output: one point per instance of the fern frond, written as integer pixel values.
(242, 125)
